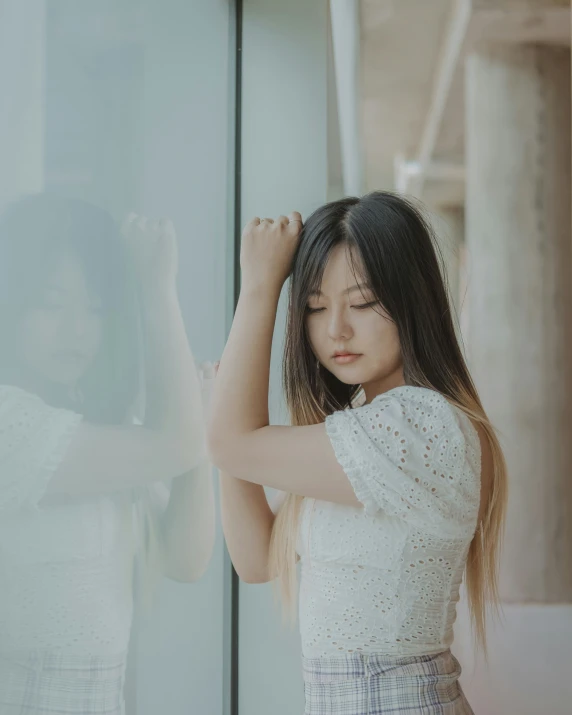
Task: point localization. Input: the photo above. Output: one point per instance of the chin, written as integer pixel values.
(66, 378)
(346, 376)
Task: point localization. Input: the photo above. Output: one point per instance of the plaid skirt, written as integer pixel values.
(45, 683)
(359, 684)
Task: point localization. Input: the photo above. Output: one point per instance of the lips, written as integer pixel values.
(344, 358)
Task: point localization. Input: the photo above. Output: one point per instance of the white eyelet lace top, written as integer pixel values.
(385, 578)
(66, 563)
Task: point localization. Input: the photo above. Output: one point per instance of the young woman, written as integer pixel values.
(396, 483)
(81, 503)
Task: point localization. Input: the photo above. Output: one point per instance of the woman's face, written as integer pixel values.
(351, 335)
(60, 336)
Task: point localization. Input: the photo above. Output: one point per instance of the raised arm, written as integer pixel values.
(247, 521)
(171, 440)
(187, 525)
(409, 452)
(299, 460)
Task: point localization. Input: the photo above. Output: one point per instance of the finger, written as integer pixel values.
(283, 220)
(267, 220)
(295, 217)
(251, 224)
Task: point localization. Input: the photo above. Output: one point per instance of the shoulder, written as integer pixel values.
(431, 415)
(412, 453)
(416, 408)
(15, 400)
(408, 416)
(11, 397)
(19, 409)
(413, 399)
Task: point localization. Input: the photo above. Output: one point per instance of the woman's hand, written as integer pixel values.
(152, 245)
(267, 250)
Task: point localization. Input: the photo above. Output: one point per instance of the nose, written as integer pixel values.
(78, 321)
(339, 327)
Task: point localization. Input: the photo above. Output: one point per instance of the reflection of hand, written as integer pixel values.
(207, 374)
(267, 250)
(153, 248)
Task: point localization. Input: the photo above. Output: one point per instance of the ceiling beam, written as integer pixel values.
(450, 55)
(344, 16)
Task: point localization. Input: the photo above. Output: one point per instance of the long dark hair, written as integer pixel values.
(394, 245)
(34, 232)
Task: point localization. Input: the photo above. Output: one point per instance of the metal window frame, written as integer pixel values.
(230, 577)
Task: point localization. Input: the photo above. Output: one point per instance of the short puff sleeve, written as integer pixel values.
(413, 455)
(34, 438)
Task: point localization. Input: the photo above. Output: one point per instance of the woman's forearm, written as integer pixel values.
(239, 403)
(172, 384)
(188, 525)
(247, 522)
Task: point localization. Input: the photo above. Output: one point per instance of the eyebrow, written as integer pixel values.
(360, 287)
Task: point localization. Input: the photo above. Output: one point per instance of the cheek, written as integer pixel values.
(39, 332)
(383, 338)
(315, 336)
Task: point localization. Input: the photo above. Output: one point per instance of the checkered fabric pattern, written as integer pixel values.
(40, 683)
(359, 684)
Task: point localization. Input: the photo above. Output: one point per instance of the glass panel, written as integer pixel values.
(111, 566)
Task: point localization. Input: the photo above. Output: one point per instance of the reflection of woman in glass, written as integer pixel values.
(80, 499)
(396, 482)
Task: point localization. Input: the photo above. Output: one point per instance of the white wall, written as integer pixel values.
(530, 661)
(284, 168)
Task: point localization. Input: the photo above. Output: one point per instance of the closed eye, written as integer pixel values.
(363, 306)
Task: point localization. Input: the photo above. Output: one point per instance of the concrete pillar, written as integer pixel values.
(520, 328)
(449, 226)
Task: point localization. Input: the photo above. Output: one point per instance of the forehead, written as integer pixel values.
(343, 271)
(67, 272)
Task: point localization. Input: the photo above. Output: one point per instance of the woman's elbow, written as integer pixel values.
(189, 571)
(220, 451)
(252, 578)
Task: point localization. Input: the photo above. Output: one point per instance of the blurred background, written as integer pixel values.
(212, 111)
(465, 106)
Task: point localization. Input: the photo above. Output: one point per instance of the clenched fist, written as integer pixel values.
(267, 250)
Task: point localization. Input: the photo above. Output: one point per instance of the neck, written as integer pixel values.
(378, 387)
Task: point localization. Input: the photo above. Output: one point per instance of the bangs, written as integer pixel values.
(38, 230)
